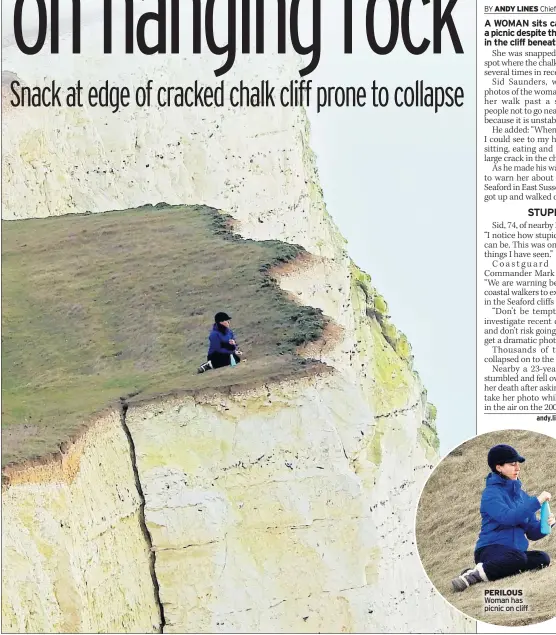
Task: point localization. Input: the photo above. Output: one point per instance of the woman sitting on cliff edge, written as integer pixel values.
(222, 345)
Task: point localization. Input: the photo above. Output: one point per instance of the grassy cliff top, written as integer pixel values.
(99, 307)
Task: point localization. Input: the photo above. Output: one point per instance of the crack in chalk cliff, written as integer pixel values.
(193, 544)
(330, 592)
(142, 521)
(282, 529)
(398, 412)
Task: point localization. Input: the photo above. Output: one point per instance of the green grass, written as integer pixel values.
(448, 524)
(99, 307)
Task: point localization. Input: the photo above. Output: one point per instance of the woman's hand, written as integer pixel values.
(544, 496)
(233, 342)
(551, 520)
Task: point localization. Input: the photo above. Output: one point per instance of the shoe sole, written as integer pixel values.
(459, 585)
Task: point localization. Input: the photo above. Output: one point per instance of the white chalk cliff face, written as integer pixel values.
(288, 508)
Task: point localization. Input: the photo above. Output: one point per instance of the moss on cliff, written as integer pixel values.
(393, 382)
(98, 307)
(428, 436)
(380, 341)
(377, 307)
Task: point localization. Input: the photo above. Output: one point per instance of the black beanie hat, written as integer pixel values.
(221, 317)
(500, 454)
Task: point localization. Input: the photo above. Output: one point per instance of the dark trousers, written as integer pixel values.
(222, 359)
(500, 561)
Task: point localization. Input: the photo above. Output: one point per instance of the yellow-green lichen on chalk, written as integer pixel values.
(428, 438)
(362, 280)
(380, 305)
(403, 348)
(377, 308)
(389, 331)
(431, 413)
(393, 380)
(374, 449)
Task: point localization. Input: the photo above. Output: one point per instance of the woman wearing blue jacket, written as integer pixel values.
(508, 523)
(222, 344)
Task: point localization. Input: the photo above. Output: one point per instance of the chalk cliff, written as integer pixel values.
(287, 507)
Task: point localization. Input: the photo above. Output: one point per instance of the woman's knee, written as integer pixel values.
(520, 559)
(537, 559)
(544, 559)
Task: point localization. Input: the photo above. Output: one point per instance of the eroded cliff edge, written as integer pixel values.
(287, 507)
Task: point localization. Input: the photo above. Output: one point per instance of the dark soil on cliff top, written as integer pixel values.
(102, 306)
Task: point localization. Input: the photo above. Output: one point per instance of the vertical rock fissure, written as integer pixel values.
(142, 521)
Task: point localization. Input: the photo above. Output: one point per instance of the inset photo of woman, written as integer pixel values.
(485, 530)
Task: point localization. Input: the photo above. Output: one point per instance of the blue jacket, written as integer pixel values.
(219, 342)
(508, 514)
